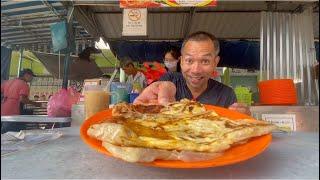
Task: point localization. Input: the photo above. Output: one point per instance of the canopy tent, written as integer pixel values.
(25, 25)
(79, 69)
(229, 21)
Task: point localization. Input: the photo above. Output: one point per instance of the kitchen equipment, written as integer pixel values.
(28, 122)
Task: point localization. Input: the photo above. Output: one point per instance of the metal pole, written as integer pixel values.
(20, 61)
(66, 70)
(59, 65)
(68, 53)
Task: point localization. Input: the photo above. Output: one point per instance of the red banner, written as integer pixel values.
(166, 3)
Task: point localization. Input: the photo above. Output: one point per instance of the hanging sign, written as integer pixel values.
(166, 3)
(134, 22)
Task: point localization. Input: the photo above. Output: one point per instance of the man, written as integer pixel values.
(16, 91)
(135, 77)
(198, 61)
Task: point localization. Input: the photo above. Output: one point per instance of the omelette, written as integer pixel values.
(182, 130)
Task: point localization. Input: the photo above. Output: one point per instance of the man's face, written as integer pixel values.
(128, 69)
(28, 77)
(198, 61)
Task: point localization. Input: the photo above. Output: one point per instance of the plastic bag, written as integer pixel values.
(153, 74)
(25, 139)
(60, 104)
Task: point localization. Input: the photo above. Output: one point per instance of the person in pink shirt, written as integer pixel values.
(16, 91)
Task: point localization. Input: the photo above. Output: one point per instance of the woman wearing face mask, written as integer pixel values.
(171, 60)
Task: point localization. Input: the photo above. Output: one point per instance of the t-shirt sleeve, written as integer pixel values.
(232, 97)
(24, 90)
(166, 77)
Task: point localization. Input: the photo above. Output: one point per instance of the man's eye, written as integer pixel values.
(205, 61)
(189, 61)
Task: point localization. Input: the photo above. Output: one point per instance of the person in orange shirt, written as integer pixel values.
(16, 91)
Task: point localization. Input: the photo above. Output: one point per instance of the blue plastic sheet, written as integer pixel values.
(240, 54)
(62, 37)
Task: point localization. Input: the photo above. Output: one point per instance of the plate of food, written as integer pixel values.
(183, 134)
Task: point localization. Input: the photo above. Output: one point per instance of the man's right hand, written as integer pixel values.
(161, 92)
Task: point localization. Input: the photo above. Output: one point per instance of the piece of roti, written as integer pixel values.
(180, 126)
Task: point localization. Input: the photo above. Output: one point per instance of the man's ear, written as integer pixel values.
(216, 60)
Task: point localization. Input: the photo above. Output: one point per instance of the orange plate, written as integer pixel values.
(233, 155)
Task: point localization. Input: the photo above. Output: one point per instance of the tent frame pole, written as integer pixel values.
(20, 61)
(66, 70)
(68, 53)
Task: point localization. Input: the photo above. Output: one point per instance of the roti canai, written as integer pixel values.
(182, 130)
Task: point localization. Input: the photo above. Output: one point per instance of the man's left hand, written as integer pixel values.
(240, 107)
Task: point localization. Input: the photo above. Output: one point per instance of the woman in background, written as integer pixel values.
(172, 60)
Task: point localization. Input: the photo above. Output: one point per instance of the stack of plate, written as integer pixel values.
(277, 92)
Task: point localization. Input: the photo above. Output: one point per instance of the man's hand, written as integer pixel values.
(240, 107)
(162, 92)
(25, 100)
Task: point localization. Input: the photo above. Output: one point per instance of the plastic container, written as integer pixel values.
(120, 92)
(277, 92)
(132, 97)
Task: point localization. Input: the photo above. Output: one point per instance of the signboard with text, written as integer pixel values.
(286, 122)
(134, 22)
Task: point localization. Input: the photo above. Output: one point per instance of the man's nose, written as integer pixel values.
(196, 68)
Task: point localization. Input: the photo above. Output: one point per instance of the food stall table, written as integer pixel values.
(27, 122)
(290, 155)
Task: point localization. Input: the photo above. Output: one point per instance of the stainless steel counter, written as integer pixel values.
(27, 122)
(35, 118)
(307, 117)
(290, 156)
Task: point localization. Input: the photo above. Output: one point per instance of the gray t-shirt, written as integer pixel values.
(216, 93)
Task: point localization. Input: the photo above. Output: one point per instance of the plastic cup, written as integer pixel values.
(96, 99)
(133, 96)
